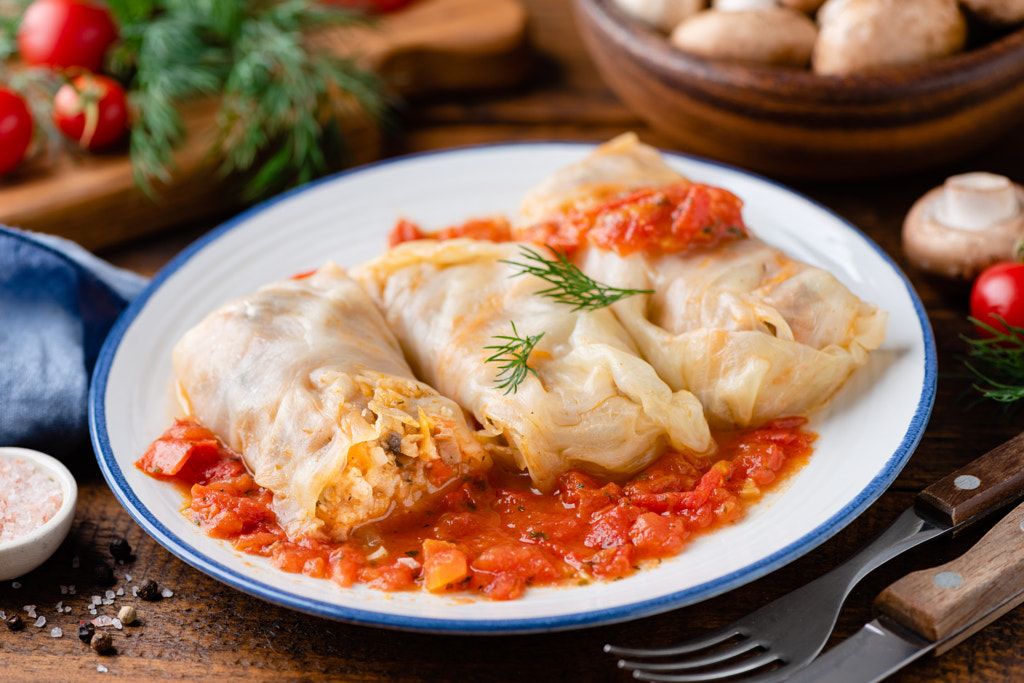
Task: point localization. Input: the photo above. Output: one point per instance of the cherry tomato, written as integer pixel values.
(15, 129)
(91, 110)
(999, 291)
(372, 6)
(66, 33)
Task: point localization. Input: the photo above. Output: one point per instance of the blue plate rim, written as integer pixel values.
(185, 552)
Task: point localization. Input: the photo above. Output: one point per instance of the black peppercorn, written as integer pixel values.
(149, 590)
(15, 623)
(86, 631)
(102, 642)
(121, 550)
(103, 574)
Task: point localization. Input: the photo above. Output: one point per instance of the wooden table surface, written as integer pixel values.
(208, 629)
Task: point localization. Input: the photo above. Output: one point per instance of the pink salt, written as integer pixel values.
(28, 498)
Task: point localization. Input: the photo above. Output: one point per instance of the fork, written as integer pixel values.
(785, 634)
(771, 643)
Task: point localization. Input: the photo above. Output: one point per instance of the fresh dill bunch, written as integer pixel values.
(997, 362)
(278, 122)
(514, 355)
(569, 284)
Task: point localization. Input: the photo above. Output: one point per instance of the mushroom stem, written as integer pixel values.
(976, 201)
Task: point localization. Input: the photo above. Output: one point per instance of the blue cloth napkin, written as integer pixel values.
(57, 303)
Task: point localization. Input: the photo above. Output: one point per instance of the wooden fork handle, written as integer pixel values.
(955, 600)
(988, 482)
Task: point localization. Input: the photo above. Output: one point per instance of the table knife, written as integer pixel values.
(932, 610)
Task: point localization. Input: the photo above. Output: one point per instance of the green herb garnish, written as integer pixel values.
(514, 355)
(570, 285)
(997, 362)
(280, 98)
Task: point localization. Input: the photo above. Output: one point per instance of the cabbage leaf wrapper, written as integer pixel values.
(304, 379)
(754, 333)
(590, 401)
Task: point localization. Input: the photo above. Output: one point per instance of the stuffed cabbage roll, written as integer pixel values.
(753, 333)
(587, 399)
(305, 381)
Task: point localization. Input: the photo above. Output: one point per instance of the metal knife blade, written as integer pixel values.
(932, 610)
(947, 506)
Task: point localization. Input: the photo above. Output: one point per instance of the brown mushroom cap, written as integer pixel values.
(776, 36)
(996, 11)
(661, 14)
(931, 244)
(867, 35)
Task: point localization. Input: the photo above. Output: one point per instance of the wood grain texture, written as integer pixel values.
(433, 46)
(952, 600)
(797, 124)
(209, 629)
(999, 476)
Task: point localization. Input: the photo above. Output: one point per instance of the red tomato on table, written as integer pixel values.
(15, 129)
(66, 33)
(91, 110)
(998, 294)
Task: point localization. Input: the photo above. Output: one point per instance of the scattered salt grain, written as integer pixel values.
(63, 590)
(30, 610)
(102, 669)
(103, 620)
(92, 611)
(15, 585)
(108, 601)
(96, 600)
(60, 605)
(67, 609)
(3, 615)
(75, 562)
(40, 622)
(56, 632)
(167, 593)
(109, 595)
(28, 498)
(116, 623)
(120, 591)
(72, 590)
(128, 578)
(135, 591)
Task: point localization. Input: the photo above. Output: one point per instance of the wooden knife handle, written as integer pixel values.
(980, 486)
(960, 597)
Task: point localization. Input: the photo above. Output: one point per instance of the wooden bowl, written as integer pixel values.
(797, 124)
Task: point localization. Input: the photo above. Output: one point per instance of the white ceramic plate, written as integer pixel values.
(866, 434)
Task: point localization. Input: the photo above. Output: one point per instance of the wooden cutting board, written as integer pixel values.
(427, 47)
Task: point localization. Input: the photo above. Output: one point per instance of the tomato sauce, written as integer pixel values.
(490, 533)
(659, 220)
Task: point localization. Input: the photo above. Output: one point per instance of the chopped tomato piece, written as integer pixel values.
(183, 441)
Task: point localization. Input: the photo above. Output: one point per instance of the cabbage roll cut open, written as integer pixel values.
(587, 400)
(754, 333)
(304, 379)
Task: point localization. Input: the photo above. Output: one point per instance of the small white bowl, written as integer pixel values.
(23, 554)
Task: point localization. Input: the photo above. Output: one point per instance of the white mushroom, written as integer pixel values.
(996, 11)
(867, 35)
(742, 5)
(972, 221)
(661, 14)
(829, 10)
(774, 36)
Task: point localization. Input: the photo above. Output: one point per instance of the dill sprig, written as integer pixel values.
(278, 122)
(569, 285)
(514, 355)
(997, 362)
